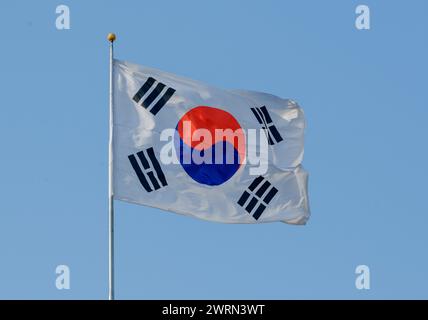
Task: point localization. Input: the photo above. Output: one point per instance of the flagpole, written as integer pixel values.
(111, 37)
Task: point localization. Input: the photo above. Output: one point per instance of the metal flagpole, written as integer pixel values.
(111, 37)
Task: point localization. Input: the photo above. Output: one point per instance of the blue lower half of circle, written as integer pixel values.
(212, 166)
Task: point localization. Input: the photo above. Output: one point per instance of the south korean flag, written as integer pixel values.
(229, 156)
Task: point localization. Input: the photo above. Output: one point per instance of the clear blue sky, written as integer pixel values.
(364, 95)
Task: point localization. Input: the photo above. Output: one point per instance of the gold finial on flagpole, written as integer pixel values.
(111, 37)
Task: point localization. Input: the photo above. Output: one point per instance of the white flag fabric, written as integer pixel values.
(228, 156)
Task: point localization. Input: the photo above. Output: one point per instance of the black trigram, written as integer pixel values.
(157, 97)
(149, 163)
(265, 120)
(261, 196)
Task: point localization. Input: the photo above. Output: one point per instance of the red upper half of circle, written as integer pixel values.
(219, 123)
